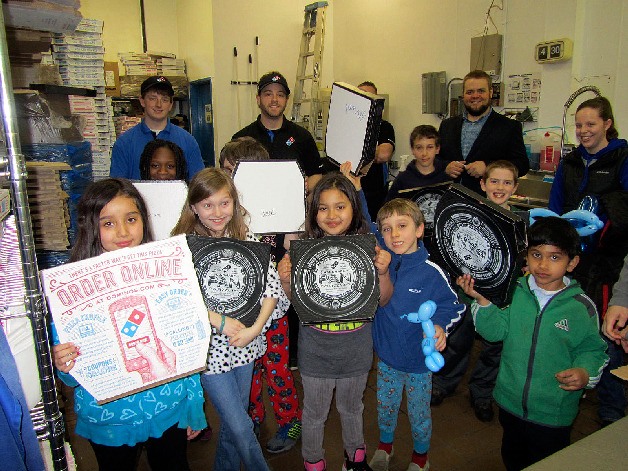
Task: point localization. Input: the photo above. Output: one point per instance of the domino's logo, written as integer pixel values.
(133, 323)
(290, 141)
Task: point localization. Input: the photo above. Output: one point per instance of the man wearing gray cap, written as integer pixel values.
(282, 138)
(157, 100)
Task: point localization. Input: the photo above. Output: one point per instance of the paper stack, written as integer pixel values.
(170, 66)
(48, 205)
(137, 63)
(81, 62)
(124, 123)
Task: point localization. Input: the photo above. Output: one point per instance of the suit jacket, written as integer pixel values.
(500, 139)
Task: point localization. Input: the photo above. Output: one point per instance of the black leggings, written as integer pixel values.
(166, 453)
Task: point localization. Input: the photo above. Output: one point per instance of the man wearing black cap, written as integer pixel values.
(282, 138)
(157, 100)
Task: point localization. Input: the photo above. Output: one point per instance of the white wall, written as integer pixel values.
(196, 37)
(391, 42)
(122, 30)
(278, 24)
(394, 41)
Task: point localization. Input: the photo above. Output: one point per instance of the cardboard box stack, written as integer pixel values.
(60, 16)
(48, 205)
(80, 56)
(124, 123)
(73, 182)
(26, 50)
(137, 63)
(168, 64)
(139, 66)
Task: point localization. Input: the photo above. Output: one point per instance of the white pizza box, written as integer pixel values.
(353, 125)
(164, 201)
(273, 193)
(119, 306)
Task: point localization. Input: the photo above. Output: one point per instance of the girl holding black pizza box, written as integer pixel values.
(335, 210)
(212, 209)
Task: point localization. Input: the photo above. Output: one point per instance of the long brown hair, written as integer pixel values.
(96, 197)
(337, 181)
(204, 184)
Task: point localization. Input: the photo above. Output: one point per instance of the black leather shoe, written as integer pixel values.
(438, 396)
(483, 410)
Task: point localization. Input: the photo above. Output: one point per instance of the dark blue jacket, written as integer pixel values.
(412, 178)
(416, 279)
(574, 180)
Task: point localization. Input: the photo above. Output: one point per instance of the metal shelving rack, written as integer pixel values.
(47, 418)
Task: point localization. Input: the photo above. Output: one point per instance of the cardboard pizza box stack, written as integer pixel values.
(48, 205)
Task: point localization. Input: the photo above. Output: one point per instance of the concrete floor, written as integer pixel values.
(459, 440)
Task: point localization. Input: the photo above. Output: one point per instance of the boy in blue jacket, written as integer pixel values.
(552, 346)
(398, 342)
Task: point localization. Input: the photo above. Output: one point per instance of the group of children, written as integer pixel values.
(552, 348)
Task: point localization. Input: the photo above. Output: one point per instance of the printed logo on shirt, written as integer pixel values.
(414, 290)
(562, 324)
(339, 327)
(290, 141)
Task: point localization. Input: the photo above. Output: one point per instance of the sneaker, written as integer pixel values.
(359, 461)
(438, 396)
(318, 466)
(483, 410)
(416, 467)
(205, 435)
(285, 438)
(380, 460)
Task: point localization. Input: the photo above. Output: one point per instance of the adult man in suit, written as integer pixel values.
(468, 144)
(480, 136)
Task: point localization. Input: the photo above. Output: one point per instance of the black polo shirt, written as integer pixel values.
(290, 141)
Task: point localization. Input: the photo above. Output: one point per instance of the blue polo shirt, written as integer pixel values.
(126, 153)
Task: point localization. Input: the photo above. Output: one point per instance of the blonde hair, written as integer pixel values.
(204, 184)
(400, 207)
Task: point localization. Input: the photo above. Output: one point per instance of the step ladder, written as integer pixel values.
(309, 70)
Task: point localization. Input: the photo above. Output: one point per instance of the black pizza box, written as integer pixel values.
(427, 198)
(334, 279)
(232, 275)
(474, 235)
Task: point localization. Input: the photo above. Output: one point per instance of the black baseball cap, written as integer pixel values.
(158, 82)
(272, 77)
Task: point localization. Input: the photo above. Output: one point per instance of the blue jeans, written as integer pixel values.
(610, 390)
(229, 393)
